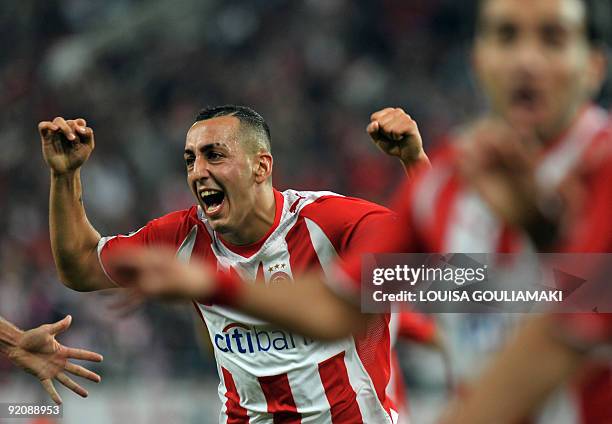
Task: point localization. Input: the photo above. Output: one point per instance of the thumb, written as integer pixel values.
(61, 326)
(373, 128)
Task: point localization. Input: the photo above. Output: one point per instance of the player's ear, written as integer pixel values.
(263, 166)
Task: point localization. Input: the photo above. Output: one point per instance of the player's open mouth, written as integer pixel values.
(213, 200)
(526, 97)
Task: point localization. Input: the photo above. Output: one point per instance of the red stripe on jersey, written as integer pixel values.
(340, 394)
(508, 242)
(435, 235)
(374, 350)
(236, 414)
(278, 394)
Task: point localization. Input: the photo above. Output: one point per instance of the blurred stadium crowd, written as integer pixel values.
(139, 72)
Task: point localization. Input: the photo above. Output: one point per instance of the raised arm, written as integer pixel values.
(394, 132)
(66, 146)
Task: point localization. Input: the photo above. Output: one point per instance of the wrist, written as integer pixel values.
(227, 290)
(415, 163)
(10, 337)
(64, 175)
(414, 158)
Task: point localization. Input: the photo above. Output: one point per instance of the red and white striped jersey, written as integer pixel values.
(268, 374)
(438, 212)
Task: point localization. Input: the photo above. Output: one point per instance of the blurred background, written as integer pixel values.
(138, 72)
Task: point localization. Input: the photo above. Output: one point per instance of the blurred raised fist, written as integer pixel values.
(66, 144)
(396, 134)
(499, 161)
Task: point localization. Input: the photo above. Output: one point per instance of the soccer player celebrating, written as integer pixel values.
(532, 174)
(37, 352)
(248, 230)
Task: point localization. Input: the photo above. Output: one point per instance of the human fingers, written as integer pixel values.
(48, 386)
(61, 325)
(65, 128)
(83, 354)
(46, 127)
(71, 384)
(82, 372)
(76, 127)
(380, 113)
(401, 127)
(372, 128)
(391, 113)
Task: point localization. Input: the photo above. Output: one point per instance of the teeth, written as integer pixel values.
(208, 192)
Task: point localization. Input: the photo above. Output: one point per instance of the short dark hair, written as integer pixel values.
(597, 23)
(249, 119)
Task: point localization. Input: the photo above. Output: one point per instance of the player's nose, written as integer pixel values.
(200, 168)
(529, 59)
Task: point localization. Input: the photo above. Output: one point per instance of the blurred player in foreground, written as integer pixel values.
(536, 173)
(244, 227)
(546, 352)
(37, 352)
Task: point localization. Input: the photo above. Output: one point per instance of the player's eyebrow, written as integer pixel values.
(213, 145)
(207, 147)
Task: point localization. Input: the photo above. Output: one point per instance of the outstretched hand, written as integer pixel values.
(499, 162)
(157, 273)
(40, 354)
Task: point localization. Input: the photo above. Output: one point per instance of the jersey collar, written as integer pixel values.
(248, 250)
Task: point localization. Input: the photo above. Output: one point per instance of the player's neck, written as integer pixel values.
(563, 127)
(260, 220)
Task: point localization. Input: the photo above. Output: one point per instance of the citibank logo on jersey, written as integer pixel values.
(240, 338)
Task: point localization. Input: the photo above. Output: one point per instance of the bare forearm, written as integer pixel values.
(307, 307)
(73, 239)
(411, 166)
(9, 335)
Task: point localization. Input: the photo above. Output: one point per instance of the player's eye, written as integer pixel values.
(212, 155)
(506, 33)
(189, 161)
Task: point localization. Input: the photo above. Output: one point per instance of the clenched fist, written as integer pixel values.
(66, 144)
(397, 134)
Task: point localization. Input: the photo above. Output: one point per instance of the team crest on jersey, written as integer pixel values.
(278, 276)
